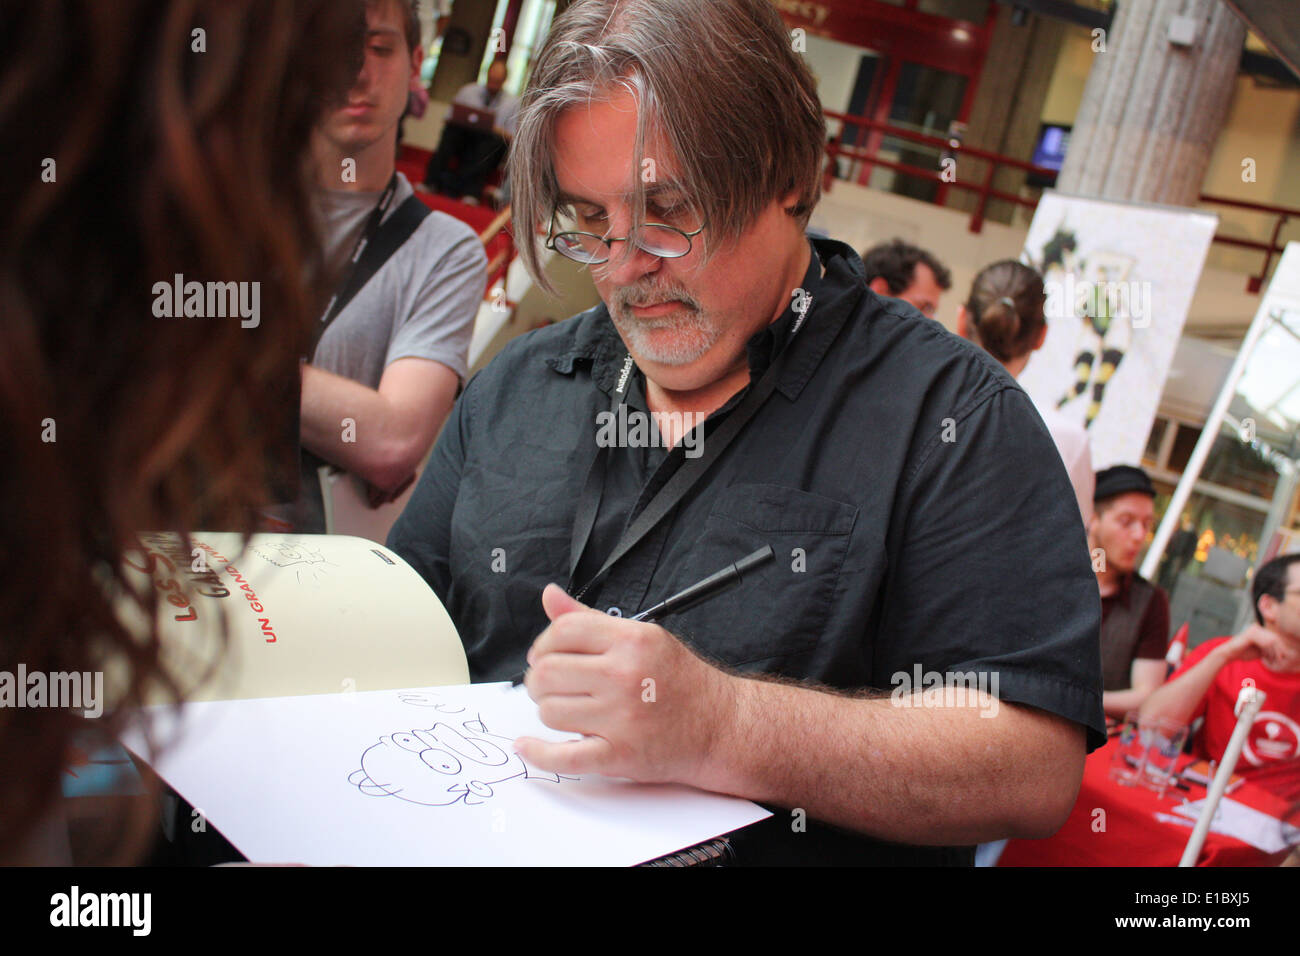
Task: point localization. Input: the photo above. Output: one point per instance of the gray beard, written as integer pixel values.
(692, 328)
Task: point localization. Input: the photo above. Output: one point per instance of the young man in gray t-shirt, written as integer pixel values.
(387, 369)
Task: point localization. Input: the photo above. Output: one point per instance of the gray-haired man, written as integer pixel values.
(923, 524)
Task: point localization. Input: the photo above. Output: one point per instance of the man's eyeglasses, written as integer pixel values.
(656, 238)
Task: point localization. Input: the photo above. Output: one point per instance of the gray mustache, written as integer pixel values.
(627, 299)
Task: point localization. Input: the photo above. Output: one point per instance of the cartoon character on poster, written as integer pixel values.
(1095, 290)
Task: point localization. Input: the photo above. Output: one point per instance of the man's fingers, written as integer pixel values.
(575, 713)
(555, 602)
(377, 496)
(562, 673)
(570, 757)
(574, 634)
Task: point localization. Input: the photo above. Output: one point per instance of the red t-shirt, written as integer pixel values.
(1275, 735)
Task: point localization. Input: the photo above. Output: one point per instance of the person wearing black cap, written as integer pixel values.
(1134, 612)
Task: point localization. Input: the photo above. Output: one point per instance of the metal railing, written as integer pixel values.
(984, 189)
(500, 263)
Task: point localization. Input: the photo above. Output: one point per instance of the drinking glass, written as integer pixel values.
(1163, 741)
(1128, 753)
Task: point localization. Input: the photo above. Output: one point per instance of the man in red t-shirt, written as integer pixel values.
(1267, 653)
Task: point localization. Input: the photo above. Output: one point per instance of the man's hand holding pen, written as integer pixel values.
(648, 707)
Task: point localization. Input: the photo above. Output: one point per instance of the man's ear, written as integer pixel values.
(880, 286)
(1267, 607)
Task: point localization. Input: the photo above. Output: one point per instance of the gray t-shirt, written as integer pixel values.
(420, 304)
(422, 301)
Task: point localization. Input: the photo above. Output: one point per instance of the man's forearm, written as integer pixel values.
(1147, 674)
(1117, 703)
(376, 444)
(1178, 699)
(919, 774)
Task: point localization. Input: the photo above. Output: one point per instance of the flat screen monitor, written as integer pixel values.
(1053, 141)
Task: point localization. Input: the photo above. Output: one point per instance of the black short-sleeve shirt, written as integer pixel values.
(921, 517)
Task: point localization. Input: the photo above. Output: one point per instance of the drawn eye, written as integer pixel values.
(440, 761)
(480, 751)
(409, 742)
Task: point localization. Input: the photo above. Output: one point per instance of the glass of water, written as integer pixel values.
(1128, 753)
(1163, 741)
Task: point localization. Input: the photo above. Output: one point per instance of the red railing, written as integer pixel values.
(869, 155)
(505, 250)
(1269, 248)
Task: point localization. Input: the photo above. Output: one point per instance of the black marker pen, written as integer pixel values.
(714, 584)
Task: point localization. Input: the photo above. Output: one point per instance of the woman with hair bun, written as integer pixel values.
(1004, 315)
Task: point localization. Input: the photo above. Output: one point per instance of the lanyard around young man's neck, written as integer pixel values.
(379, 240)
(367, 234)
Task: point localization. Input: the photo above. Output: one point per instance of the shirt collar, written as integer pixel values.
(833, 284)
(769, 341)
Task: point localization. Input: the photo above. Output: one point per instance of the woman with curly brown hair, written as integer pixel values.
(145, 141)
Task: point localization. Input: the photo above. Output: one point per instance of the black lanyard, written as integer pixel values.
(676, 488)
(345, 290)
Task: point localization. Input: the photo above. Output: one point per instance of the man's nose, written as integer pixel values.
(628, 262)
(363, 79)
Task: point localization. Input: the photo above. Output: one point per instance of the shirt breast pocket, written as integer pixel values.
(779, 610)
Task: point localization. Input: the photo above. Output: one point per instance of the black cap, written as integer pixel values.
(1120, 480)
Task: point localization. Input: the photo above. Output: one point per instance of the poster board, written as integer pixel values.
(1119, 278)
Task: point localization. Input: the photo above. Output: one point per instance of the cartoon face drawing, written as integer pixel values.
(441, 765)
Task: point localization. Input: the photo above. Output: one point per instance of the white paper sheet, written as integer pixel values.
(1245, 824)
(420, 776)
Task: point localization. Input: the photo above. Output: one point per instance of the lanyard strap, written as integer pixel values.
(346, 290)
(674, 490)
(594, 486)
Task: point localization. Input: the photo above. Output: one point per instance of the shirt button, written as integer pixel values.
(615, 612)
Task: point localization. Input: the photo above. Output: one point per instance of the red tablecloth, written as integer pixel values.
(1132, 836)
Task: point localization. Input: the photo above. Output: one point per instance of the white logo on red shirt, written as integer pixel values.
(1272, 737)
